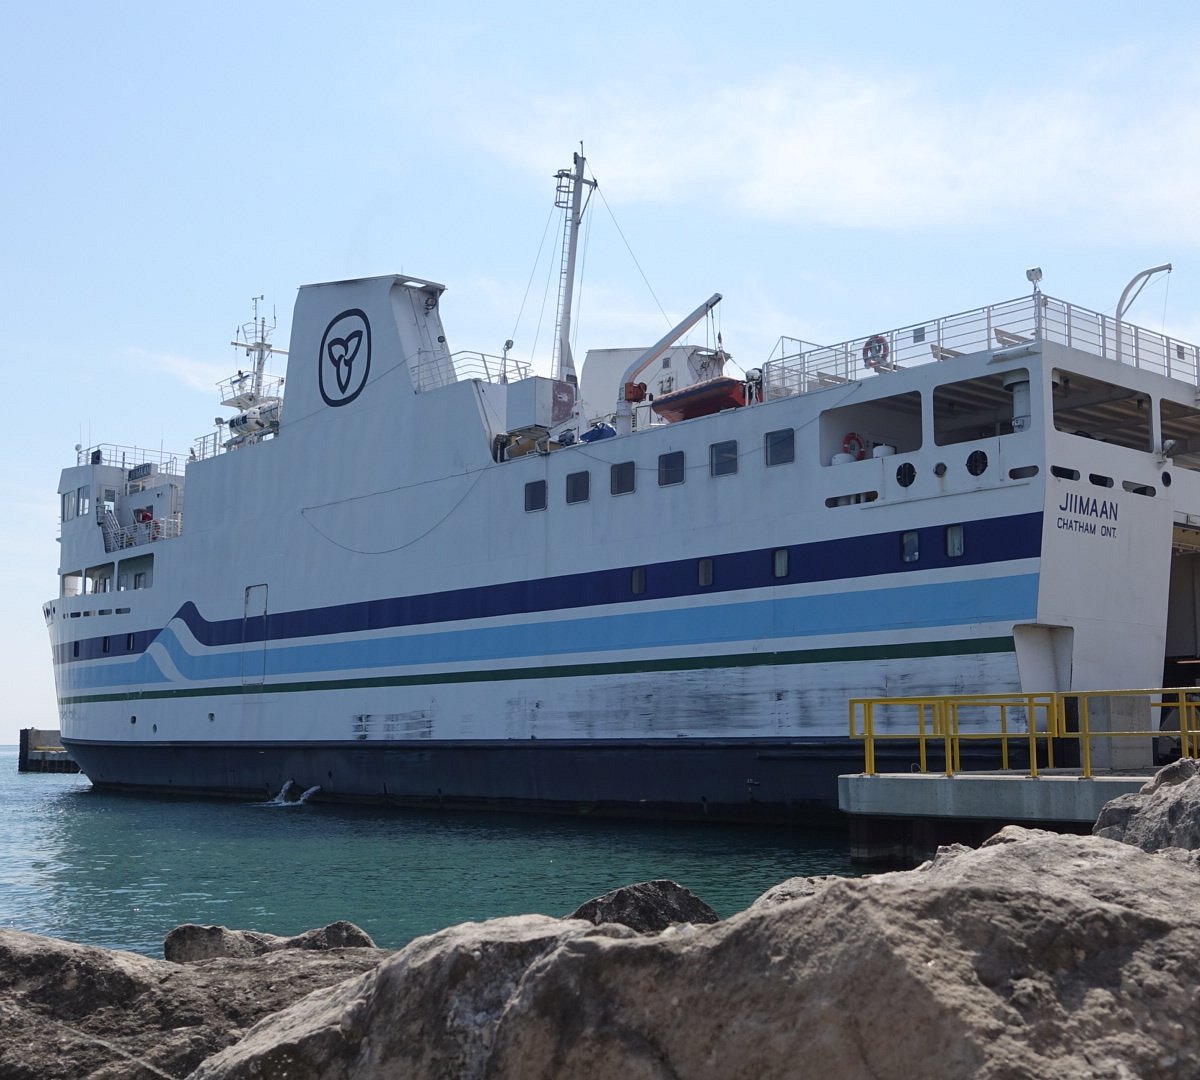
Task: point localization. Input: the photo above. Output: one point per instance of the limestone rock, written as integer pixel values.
(646, 907)
(71, 1010)
(429, 1011)
(189, 943)
(797, 888)
(1035, 955)
(1165, 813)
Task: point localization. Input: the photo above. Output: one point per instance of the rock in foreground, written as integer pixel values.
(73, 1010)
(1036, 954)
(647, 907)
(1165, 813)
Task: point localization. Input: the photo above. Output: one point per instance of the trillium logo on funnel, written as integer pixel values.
(345, 359)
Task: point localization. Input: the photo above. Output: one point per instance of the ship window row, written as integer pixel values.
(109, 645)
(910, 544)
(953, 538)
(779, 448)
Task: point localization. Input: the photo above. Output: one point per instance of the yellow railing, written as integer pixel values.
(1042, 724)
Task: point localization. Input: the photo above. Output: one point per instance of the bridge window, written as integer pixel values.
(910, 546)
(954, 541)
(704, 572)
(637, 580)
(779, 562)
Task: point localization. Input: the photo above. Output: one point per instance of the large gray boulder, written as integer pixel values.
(189, 942)
(647, 907)
(1165, 813)
(71, 1010)
(1037, 954)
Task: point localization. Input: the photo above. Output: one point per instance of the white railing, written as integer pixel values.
(1011, 324)
(432, 373)
(143, 532)
(127, 457)
(238, 391)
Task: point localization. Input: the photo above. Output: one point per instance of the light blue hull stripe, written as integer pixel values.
(872, 611)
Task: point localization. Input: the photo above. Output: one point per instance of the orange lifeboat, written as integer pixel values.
(701, 399)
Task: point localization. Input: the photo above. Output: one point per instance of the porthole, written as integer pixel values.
(1166, 479)
(906, 474)
(977, 463)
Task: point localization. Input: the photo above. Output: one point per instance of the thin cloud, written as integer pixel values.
(852, 149)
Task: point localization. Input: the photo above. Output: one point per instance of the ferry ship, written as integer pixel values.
(434, 578)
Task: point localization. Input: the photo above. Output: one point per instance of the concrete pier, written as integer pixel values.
(902, 818)
(41, 750)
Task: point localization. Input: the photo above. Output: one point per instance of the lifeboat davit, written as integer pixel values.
(701, 399)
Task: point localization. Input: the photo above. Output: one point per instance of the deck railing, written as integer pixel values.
(1013, 324)
(1032, 731)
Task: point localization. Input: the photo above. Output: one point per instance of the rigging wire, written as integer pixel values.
(617, 226)
(533, 270)
(546, 294)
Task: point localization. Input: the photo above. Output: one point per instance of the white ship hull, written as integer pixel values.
(367, 602)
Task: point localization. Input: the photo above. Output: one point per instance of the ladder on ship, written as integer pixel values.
(110, 530)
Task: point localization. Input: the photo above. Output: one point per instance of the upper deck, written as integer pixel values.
(797, 367)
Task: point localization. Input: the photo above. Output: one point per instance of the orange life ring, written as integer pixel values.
(854, 445)
(875, 351)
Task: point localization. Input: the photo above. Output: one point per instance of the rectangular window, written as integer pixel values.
(779, 562)
(722, 458)
(83, 500)
(637, 580)
(579, 487)
(954, 541)
(74, 645)
(622, 478)
(704, 572)
(68, 506)
(128, 642)
(779, 447)
(910, 547)
(535, 499)
(139, 580)
(104, 644)
(670, 468)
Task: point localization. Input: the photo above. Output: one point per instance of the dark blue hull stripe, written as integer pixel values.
(987, 541)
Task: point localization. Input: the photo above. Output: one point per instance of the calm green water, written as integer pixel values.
(121, 871)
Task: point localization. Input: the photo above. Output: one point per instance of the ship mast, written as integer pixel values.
(257, 343)
(568, 198)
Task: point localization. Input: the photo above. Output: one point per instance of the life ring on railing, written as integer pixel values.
(854, 445)
(875, 351)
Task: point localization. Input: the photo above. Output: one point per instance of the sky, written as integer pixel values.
(832, 169)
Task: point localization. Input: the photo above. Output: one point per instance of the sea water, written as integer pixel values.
(121, 871)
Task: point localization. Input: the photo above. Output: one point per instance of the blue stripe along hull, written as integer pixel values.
(729, 780)
(875, 612)
(987, 541)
